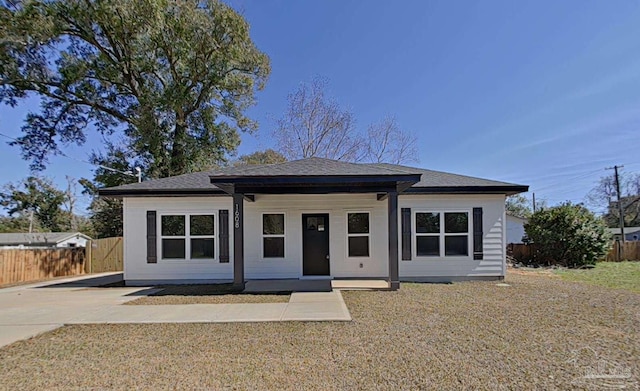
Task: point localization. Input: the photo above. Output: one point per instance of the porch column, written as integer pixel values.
(238, 241)
(394, 279)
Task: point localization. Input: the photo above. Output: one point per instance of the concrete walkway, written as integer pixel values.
(28, 310)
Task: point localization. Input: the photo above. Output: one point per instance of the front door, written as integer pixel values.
(315, 244)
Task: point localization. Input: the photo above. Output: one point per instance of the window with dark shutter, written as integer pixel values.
(224, 236)
(406, 233)
(152, 244)
(477, 233)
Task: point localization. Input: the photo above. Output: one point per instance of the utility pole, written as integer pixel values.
(31, 221)
(534, 202)
(620, 206)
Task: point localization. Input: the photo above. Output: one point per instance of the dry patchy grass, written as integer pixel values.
(206, 294)
(538, 333)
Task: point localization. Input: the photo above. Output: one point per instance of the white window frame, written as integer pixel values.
(349, 235)
(187, 236)
(442, 234)
(283, 235)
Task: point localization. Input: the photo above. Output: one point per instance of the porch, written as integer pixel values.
(246, 191)
(324, 285)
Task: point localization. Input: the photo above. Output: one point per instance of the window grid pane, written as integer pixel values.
(173, 225)
(456, 222)
(273, 224)
(456, 245)
(273, 247)
(428, 223)
(202, 248)
(428, 246)
(173, 248)
(359, 246)
(201, 225)
(358, 223)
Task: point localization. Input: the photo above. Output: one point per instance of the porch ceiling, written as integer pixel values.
(315, 184)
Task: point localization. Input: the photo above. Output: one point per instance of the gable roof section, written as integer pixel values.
(37, 238)
(426, 181)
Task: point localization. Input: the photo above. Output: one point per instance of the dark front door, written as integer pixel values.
(315, 244)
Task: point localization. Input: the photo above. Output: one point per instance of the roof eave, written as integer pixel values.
(507, 190)
(119, 193)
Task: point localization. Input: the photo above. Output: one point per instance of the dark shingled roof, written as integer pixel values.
(200, 183)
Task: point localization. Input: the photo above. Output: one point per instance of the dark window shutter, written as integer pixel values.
(406, 234)
(477, 233)
(223, 222)
(152, 243)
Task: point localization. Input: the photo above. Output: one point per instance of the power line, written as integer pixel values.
(138, 175)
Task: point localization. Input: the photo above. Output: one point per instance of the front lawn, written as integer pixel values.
(621, 275)
(540, 332)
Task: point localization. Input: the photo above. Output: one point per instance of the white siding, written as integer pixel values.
(135, 240)
(293, 206)
(515, 229)
(337, 206)
(493, 262)
(76, 241)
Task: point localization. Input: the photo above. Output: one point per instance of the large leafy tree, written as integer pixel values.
(568, 235)
(171, 78)
(268, 156)
(116, 167)
(39, 196)
(18, 223)
(518, 205)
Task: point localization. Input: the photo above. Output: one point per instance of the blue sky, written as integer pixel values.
(542, 93)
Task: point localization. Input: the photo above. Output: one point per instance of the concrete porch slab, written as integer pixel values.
(360, 284)
(289, 285)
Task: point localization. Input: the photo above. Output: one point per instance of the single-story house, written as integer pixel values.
(631, 234)
(515, 228)
(314, 219)
(44, 239)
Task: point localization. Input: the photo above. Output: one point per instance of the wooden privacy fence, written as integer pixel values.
(104, 255)
(23, 265)
(628, 251)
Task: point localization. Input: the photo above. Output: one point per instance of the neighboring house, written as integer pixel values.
(44, 239)
(515, 228)
(630, 233)
(314, 218)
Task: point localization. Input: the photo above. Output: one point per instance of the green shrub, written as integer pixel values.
(568, 235)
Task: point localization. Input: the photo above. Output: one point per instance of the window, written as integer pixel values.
(456, 234)
(428, 234)
(195, 239)
(438, 231)
(273, 235)
(358, 234)
(202, 236)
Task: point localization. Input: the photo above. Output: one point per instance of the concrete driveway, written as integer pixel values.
(29, 310)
